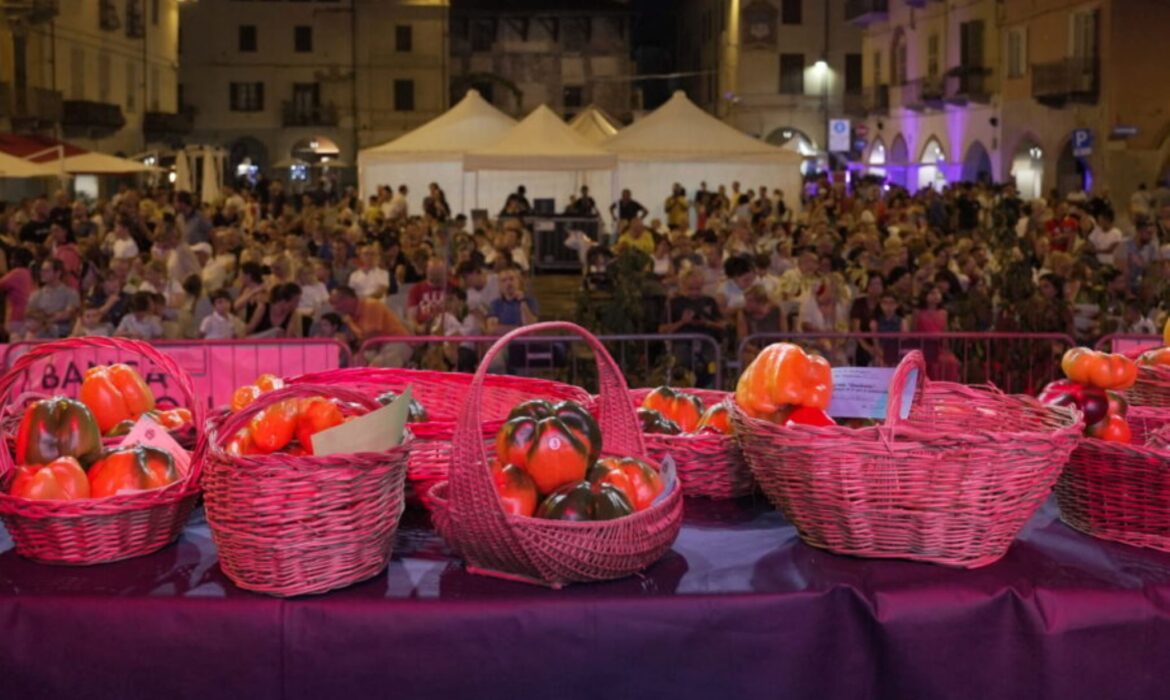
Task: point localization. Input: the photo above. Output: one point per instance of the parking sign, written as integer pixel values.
(1082, 143)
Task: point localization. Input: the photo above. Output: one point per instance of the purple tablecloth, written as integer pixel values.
(739, 609)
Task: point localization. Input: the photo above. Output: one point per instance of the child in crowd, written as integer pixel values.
(91, 323)
(220, 324)
(330, 325)
(889, 320)
(140, 323)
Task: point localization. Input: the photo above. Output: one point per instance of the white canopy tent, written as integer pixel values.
(594, 124)
(546, 156)
(94, 163)
(13, 167)
(434, 152)
(679, 142)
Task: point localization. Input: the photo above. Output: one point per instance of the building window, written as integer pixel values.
(1084, 35)
(878, 78)
(792, 12)
(403, 95)
(574, 96)
(154, 12)
(1017, 53)
(103, 77)
(483, 35)
(853, 79)
(303, 39)
(77, 73)
(247, 97)
(155, 88)
(792, 74)
(971, 44)
(131, 87)
(932, 56)
(403, 38)
(248, 38)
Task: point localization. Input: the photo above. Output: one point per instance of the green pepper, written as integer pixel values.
(57, 427)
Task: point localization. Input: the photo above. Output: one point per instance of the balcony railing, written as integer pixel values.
(923, 93)
(864, 12)
(294, 114)
(877, 99)
(158, 125)
(99, 117)
(1070, 80)
(30, 109)
(854, 104)
(967, 84)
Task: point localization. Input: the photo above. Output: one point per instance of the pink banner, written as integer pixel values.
(216, 368)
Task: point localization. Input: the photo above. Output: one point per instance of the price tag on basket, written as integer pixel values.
(864, 392)
(376, 431)
(149, 433)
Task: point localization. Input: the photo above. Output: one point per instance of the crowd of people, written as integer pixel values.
(728, 262)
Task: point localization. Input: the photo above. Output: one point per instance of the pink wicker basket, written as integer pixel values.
(1152, 387)
(294, 525)
(952, 484)
(1121, 492)
(709, 464)
(468, 514)
(99, 530)
(443, 395)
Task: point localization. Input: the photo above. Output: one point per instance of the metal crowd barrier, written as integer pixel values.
(646, 359)
(1014, 362)
(216, 367)
(1128, 342)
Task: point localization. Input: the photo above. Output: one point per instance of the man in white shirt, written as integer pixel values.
(122, 244)
(369, 280)
(1105, 238)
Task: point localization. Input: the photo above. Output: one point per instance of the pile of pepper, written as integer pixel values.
(667, 411)
(548, 464)
(784, 384)
(286, 426)
(1095, 380)
(59, 452)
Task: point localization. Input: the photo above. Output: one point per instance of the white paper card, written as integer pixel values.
(151, 434)
(864, 392)
(376, 431)
(669, 474)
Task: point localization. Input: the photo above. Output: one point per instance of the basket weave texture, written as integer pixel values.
(98, 530)
(709, 464)
(1152, 387)
(443, 394)
(1121, 492)
(293, 525)
(952, 484)
(468, 513)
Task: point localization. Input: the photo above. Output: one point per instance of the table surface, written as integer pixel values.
(740, 608)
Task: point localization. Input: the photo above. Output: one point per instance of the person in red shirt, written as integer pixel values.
(428, 298)
(1062, 228)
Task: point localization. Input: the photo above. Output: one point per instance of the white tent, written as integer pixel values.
(13, 167)
(94, 163)
(546, 156)
(434, 152)
(594, 124)
(679, 142)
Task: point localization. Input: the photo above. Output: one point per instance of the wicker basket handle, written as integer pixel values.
(902, 374)
(617, 415)
(240, 419)
(164, 362)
